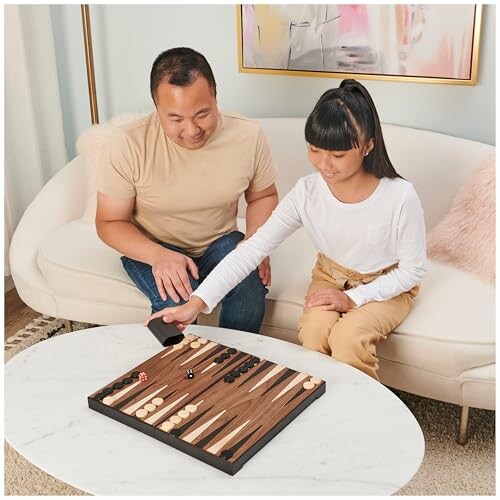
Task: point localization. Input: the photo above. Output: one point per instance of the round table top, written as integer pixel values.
(356, 439)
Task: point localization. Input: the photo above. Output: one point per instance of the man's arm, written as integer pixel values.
(114, 227)
(260, 205)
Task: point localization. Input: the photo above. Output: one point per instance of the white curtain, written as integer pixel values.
(34, 137)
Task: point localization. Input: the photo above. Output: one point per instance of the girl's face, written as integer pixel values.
(338, 166)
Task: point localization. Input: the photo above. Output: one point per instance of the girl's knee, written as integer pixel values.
(315, 324)
(314, 340)
(356, 348)
(346, 342)
(314, 330)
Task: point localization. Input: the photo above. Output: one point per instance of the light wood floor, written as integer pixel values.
(17, 313)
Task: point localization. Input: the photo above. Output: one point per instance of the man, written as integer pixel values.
(168, 190)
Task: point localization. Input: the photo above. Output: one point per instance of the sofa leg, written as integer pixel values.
(68, 324)
(464, 425)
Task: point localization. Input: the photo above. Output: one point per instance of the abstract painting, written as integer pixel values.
(428, 42)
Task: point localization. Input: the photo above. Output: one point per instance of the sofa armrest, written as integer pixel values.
(61, 200)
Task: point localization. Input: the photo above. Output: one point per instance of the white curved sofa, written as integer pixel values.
(444, 350)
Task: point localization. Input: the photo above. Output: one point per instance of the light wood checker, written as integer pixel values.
(220, 422)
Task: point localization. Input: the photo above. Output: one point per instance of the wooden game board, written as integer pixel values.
(219, 418)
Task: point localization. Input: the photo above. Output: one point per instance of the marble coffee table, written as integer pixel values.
(357, 439)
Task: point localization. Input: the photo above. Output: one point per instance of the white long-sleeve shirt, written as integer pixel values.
(382, 230)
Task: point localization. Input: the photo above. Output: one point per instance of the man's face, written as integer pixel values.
(188, 115)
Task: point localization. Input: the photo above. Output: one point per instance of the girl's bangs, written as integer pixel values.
(331, 127)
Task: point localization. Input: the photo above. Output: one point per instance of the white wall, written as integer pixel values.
(127, 38)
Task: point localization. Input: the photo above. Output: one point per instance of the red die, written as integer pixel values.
(143, 377)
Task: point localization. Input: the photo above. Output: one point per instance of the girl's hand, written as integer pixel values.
(331, 299)
(181, 316)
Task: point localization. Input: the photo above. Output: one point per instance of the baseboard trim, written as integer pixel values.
(8, 284)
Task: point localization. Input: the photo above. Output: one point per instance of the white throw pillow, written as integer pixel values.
(89, 146)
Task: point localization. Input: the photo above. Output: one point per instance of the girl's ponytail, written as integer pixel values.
(377, 162)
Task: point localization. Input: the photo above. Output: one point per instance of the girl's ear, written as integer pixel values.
(369, 146)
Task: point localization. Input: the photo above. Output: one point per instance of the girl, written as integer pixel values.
(366, 222)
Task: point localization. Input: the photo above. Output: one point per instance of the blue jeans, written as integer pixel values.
(241, 309)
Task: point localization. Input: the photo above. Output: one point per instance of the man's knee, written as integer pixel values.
(142, 275)
(251, 288)
(243, 307)
(157, 303)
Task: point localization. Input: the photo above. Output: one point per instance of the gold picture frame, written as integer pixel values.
(275, 39)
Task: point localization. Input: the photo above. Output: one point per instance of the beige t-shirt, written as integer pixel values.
(184, 197)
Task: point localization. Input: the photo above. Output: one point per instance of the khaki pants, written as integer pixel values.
(351, 337)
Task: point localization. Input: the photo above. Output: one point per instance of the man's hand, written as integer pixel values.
(265, 271)
(170, 274)
(181, 316)
(114, 227)
(331, 299)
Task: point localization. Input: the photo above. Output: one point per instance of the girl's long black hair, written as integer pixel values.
(338, 120)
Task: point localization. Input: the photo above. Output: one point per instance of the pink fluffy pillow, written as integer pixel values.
(466, 235)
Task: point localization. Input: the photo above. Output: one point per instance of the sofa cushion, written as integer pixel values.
(447, 308)
(444, 333)
(76, 263)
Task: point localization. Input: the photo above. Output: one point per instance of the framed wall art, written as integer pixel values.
(404, 42)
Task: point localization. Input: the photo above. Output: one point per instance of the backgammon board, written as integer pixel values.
(216, 403)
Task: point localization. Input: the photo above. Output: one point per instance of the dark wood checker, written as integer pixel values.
(216, 416)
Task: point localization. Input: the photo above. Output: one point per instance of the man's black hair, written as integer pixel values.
(180, 66)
